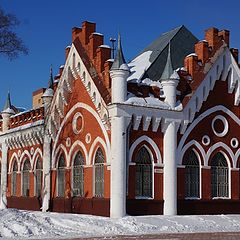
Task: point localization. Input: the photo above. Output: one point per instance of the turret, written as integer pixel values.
(169, 81)
(119, 73)
(7, 112)
(48, 94)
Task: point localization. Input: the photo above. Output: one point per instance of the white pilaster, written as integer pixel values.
(46, 191)
(169, 89)
(118, 167)
(170, 169)
(3, 198)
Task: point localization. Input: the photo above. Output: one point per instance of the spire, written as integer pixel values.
(8, 106)
(168, 70)
(50, 82)
(119, 58)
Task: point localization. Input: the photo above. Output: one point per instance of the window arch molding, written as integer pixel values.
(150, 142)
(225, 150)
(73, 151)
(14, 157)
(197, 148)
(23, 157)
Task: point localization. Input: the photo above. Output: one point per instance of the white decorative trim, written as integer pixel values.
(203, 116)
(225, 123)
(205, 140)
(74, 123)
(88, 138)
(96, 116)
(68, 142)
(234, 145)
(151, 142)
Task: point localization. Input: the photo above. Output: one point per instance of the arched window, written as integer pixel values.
(38, 178)
(219, 176)
(78, 175)
(192, 175)
(144, 174)
(14, 178)
(61, 176)
(74, 60)
(25, 178)
(99, 173)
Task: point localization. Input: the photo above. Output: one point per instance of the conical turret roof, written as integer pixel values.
(119, 61)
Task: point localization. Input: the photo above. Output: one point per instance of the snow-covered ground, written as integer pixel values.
(17, 224)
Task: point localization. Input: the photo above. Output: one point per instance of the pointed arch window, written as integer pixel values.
(38, 178)
(14, 178)
(144, 174)
(192, 175)
(78, 175)
(219, 176)
(26, 178)
(61, 176)
(99, 173)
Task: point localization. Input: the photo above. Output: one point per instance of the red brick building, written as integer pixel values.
(157, 135)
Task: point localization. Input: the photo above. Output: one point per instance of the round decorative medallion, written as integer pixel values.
(19, 153)
(32, 151)
(234, 142)
(68, 142)
(88, 138)
(77, 123)
(205, 140)
(220, 126)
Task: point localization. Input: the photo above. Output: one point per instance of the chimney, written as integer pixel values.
(87, 29)
(211, 36)
(76, 31)
(95, 40)
(103, 54)
(202, 51)
(224, 34)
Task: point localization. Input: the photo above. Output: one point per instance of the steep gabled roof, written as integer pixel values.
(182, 44)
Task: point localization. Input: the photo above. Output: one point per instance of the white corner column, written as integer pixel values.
(170, 169)
(118, 166)
(46, 191)
(3, 199)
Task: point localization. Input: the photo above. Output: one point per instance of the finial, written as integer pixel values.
(50, 82)
(168, 70)
(119, 58)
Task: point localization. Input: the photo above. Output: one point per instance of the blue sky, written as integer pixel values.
(46, 30)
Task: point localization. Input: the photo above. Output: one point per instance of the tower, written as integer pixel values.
(7, 112)
(119, 73)
(169, 81)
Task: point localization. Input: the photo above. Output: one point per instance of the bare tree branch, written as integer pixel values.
(11, 46)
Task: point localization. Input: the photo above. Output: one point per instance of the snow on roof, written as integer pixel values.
(104, 46)
(139, 65)
(192, 54)
(147, 102)
(96, 33)
(110, 60)
(62, 66)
